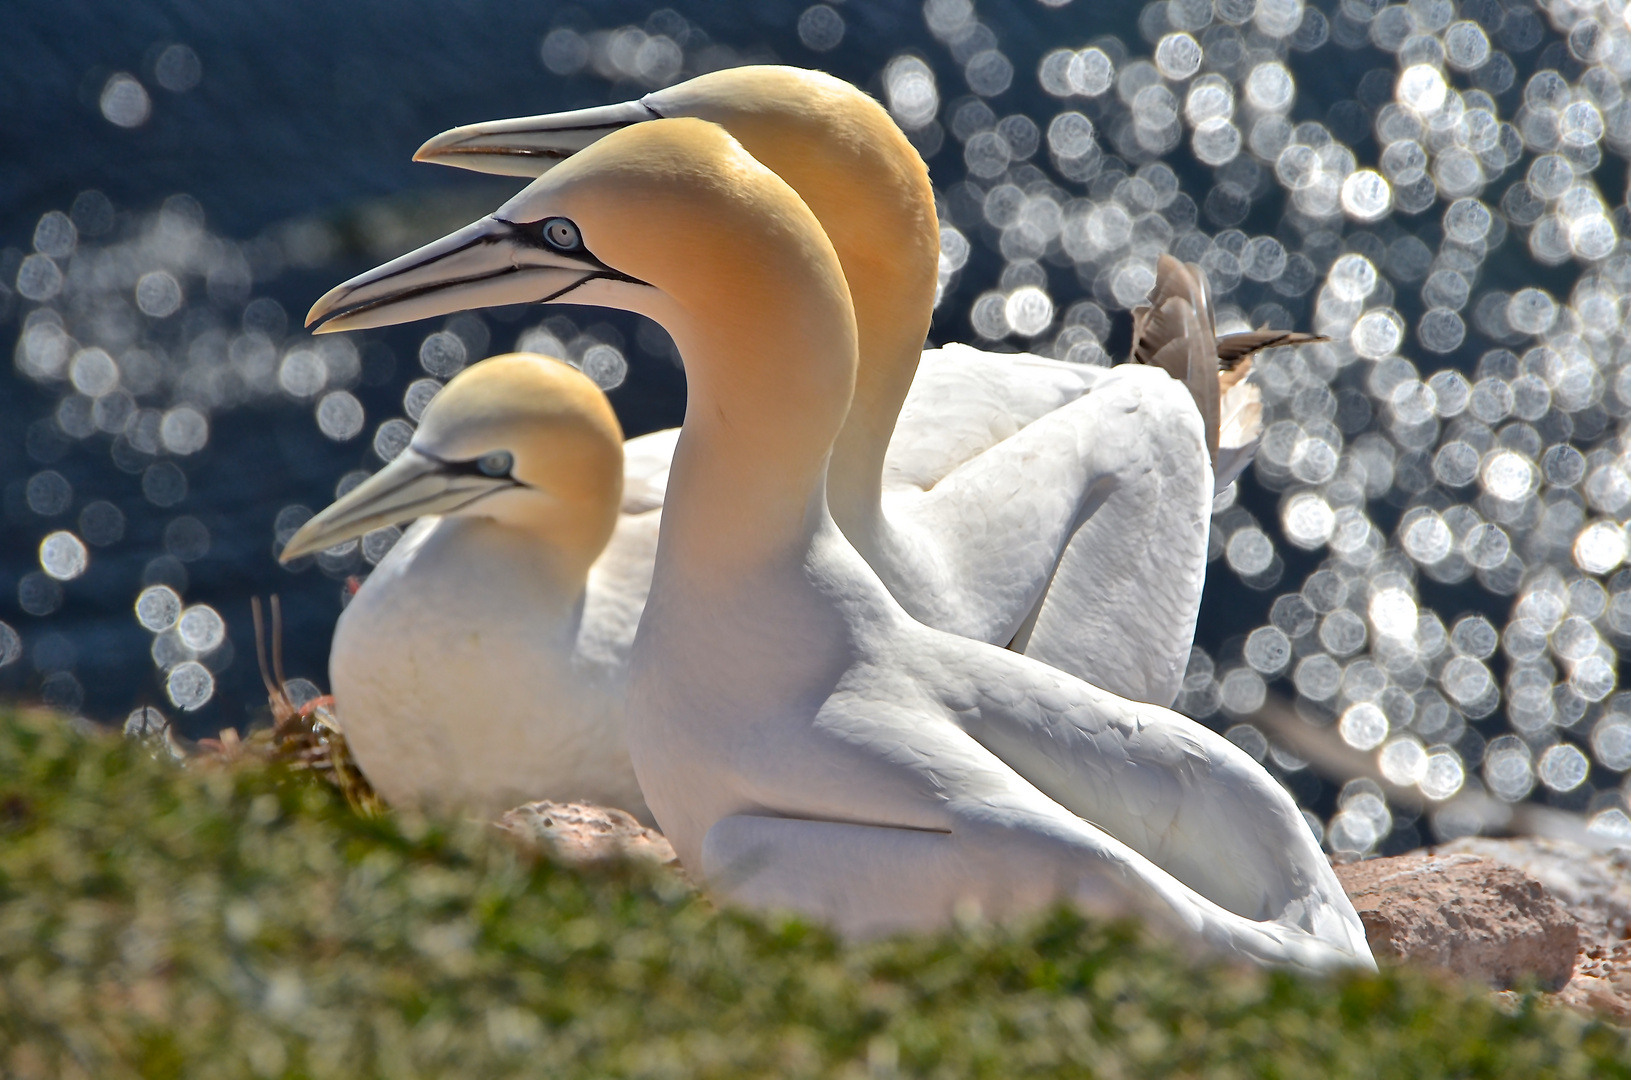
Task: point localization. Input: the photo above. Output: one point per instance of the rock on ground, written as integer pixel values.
(1492, 910)
(1595, 887)
(583, 832)
(1463, 913)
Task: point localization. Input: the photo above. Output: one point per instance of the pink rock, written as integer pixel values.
(1465, 914)
(1595, 887)
(584, 833)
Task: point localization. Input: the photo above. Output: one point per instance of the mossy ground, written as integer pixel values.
(244, 921)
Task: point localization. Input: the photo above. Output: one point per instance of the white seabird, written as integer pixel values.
(803, 742)
(484, 662)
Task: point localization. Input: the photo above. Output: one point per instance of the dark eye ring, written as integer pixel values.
(496, 464)
(561, 234)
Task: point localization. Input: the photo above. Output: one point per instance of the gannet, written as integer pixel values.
(969, 510)
(484, 661)
(804, 742)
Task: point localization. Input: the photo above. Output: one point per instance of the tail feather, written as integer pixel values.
(1240, 429)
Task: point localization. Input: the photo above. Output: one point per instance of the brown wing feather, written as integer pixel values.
(1172, 279)
(1155, 329)
(1201, 297)
(1232, 348)
(1156, 323)
(1174, 332)
(1142, 314)
(1177, 331)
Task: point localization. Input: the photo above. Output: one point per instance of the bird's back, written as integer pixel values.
(964, 401)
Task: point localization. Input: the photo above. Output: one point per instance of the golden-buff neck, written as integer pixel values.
(869, 188)
(745, 280)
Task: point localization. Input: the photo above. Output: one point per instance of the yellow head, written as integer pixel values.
(855, 169)
(525, 440)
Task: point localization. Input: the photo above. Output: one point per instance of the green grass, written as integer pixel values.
(161, 922)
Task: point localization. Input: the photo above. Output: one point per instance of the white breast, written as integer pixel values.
(462, 677)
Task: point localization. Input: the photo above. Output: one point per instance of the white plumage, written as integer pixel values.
(802, 741)
(958, 493)
(966, 504)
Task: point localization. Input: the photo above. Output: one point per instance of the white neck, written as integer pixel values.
(770, 369)
(466, 542)
(741, 619)
(748, 483)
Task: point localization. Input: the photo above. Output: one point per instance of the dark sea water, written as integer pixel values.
(264, 148)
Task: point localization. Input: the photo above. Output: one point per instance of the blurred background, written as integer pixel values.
(1416, 595)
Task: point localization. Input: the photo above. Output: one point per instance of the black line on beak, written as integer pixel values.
(421, 290)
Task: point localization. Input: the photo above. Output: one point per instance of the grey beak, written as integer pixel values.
(530, 145)
(413, 485)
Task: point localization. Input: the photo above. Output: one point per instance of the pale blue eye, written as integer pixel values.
(562, 234)
(498, 463)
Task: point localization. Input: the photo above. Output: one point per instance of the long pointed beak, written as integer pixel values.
(486, 264)
(529, 145)
(413, 485)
